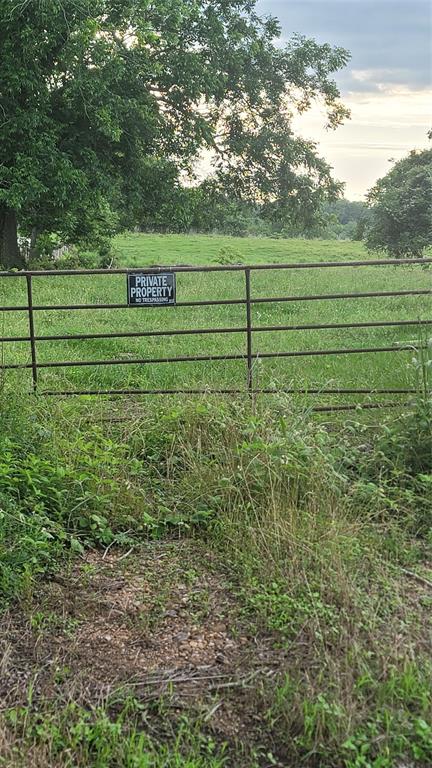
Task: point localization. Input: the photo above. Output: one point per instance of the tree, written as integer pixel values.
(400, 216)
(96, 94)
(342, 219)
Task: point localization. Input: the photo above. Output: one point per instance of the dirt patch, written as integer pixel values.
(162, 620)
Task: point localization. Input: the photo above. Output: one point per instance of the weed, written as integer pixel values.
(74, 736)
(312, 524)
(42, 622)
(228, 255)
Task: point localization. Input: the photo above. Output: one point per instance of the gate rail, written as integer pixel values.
(248, 329)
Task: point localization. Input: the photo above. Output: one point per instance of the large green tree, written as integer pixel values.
(400, 217)
(98, 95)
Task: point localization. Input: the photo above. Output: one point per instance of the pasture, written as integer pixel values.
(370, 370)
(184, 564)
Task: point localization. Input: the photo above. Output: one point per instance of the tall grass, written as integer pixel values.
(318, 566)
(318, 528)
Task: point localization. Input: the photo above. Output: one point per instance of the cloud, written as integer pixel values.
(389, 40)
(379, 80)
(384, 125)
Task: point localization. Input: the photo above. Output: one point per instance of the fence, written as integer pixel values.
(247, 300)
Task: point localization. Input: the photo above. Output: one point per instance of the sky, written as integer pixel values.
(387, 83)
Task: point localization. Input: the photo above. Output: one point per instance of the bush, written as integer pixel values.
(229, 255)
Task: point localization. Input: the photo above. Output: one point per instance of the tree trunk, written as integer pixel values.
(10, 256)
(33, 251)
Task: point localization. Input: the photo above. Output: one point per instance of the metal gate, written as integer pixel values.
(248, 329)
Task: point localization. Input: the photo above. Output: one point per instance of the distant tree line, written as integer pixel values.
(396, 218)
(209, 210)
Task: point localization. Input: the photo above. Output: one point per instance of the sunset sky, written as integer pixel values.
(387, 84)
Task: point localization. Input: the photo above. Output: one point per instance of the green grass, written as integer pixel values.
(320, 535)
(73, 736)
(135, 250)
(316, 533)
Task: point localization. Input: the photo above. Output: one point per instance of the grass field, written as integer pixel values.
(371, 370)
(194, 583)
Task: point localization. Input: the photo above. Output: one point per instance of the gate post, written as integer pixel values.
(32, 332)
(249, 332)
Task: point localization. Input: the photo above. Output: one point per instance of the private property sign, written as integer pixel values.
(147, 289)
